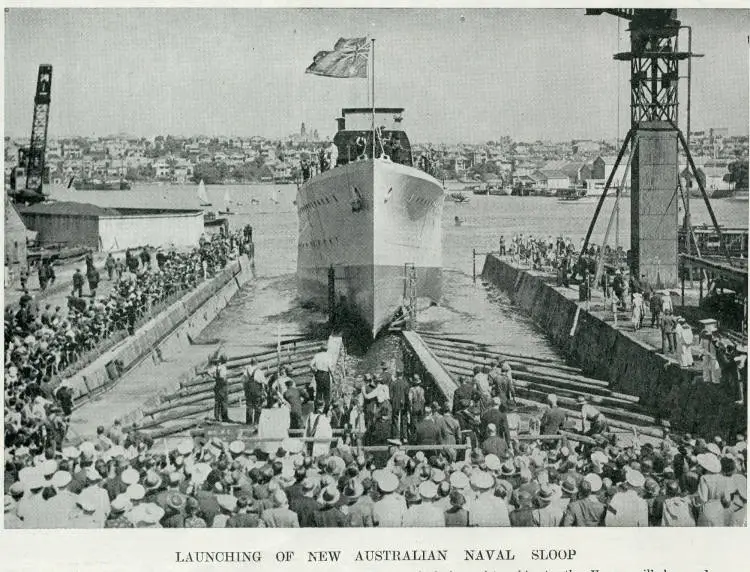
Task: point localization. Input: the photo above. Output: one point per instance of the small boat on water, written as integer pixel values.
(227, 202)
(458, 198)
(458, 221)
(202, 195)
(101, 185)
(499, 191)
(572, 194)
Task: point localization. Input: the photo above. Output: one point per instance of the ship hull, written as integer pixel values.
(367, 220)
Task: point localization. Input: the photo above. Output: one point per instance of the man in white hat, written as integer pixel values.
(424, 513)
(627, 508)
(712, 491)
(96, 492)
(31, 507)
(486, 509)
(60, 506)
(389, 510)
(86, 515)
(117, 519)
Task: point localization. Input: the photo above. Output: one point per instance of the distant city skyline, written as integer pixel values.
(463, 75)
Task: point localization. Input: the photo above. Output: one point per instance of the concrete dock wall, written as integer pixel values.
(168, 332)
(601, 351)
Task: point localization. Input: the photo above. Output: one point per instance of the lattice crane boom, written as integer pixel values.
(38, 143)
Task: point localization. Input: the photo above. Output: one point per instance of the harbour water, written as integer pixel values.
(269, 306)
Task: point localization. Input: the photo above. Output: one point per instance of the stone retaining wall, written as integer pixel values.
(170, 331)
(665, 390)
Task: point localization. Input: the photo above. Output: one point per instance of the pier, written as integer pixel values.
(628, 361)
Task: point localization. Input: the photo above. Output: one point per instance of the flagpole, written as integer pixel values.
(373, 97)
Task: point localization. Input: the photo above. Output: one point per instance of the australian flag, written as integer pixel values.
(348, 59)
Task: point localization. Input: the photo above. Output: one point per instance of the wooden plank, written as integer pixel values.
(431, 364)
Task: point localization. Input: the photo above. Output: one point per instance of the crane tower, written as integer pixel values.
(654, 139)
(29, 179)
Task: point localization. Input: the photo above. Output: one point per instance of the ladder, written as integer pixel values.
(410, 293)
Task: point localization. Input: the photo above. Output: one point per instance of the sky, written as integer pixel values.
(468, 75)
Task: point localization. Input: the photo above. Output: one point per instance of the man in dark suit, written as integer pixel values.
(399, 390)
(305, 505)
(553, 419)
(293, 397)
(463, 395)
(498, 418)
(493, 444)
(428, 432)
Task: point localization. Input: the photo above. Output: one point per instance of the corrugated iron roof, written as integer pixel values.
(68, 208)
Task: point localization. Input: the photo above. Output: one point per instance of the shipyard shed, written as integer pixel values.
(99, 228)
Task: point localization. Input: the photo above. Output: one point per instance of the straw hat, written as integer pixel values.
(149, 513)
(437, 476)
(569, 486)
(544, 495)
(459, 480)
(70, 452)
(482, 480)
(120, 504)
(428, 490)
(176, 501)
(710, 462)
(330, 496)
(236, 447)
(129, 476)
(152, 481)
(49, 468)
(595, 481)
(136, 492)
(492, 462)
(387, 482)
(714, 448)
(61, 479)
(635, 479)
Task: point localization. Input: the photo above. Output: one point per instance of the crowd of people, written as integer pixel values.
(502, 479)
(635, 299)
(121, 480)
(44, 344)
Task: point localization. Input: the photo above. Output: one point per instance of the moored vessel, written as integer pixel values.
(101, 185)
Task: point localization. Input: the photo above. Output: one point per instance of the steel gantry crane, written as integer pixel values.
(27, 184)
(654, 138)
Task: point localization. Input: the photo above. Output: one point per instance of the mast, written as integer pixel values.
(373, 97)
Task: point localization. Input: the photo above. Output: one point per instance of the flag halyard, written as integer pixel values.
(348, 59)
